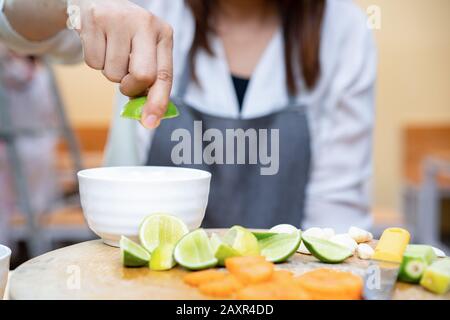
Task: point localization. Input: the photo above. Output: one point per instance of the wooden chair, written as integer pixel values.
(427, 179)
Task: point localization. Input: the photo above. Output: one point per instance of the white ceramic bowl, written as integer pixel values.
(115, 200)
(5, 255)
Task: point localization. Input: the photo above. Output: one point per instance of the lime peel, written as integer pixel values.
(133, 109)
(133, 254)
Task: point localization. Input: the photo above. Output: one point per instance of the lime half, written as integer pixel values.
(162, 257)
(222, 250)
(133, 109)
(263, 235)
(280, 247)
(194, 251)
(133, 255)
(159, 229)
(242, 240)
(325, 250)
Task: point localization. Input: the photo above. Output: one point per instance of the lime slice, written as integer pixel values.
(242, 240)
(325, 250)
(133, 109)
(194, 251)
(263, 235)
(133, 255)
(280, 247)
(159, 229)
(222, 250)
(162, 258)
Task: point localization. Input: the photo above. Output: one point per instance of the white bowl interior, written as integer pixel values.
(144, 174)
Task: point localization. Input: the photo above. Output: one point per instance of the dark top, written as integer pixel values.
(240, 86)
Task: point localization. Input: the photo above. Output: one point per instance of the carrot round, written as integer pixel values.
(197, 278)
(222, 287)
(272, 290)
(329, 284)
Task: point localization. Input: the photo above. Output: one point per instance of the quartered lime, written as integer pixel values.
(221, 249)
(133, 255)
(280, 247)
(242, 240)
(194, 251)
(159, 229)
(262, 234)
(162, 257)
(133, 109)
(325, 250)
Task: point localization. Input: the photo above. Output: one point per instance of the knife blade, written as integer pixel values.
(379, 280)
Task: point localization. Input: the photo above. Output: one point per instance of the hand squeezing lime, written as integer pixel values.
(133, 109)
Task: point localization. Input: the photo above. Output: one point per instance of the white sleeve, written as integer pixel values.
(65, 47)
(338, 194)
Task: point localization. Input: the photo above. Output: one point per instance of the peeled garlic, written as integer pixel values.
(314, 232)
(438, 252)
(345, 240)
(360, 235)
(364, 251)
(328, 233)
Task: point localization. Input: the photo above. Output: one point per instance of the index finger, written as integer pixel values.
(159, 93)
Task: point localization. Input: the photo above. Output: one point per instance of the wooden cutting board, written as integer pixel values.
(93, 270)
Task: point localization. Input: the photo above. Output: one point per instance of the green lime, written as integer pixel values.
(242, 240)
(133, 255)
(133, 109)
(262, 235)
(159, 229)
(325, 250)
(281, 246)
(194, 251)
(162, 257)
(221, 249)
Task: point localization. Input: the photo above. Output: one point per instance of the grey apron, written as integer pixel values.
(239, 193)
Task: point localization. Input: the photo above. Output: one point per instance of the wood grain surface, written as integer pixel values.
(93, 270)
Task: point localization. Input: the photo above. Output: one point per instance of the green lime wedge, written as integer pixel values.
(133, 109)
(260, 235)
(195, 252)
(325, 250)
(280, 247)
(222, 250)
(242, 240)
(133, 255)
(162, 257)
(159, 229)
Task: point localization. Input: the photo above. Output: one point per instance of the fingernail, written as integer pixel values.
(151, 121)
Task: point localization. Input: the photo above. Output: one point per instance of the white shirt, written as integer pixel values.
(340, 108)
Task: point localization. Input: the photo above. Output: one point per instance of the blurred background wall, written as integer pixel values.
(413, 85)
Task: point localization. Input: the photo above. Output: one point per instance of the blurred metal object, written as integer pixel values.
(37, 236)
(429, 198)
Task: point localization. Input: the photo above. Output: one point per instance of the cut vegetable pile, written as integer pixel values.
(249, 257)
(254, 278)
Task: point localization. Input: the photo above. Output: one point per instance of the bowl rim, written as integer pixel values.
(5, 252)
(85, 174)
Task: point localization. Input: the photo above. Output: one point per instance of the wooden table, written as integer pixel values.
(93, 270)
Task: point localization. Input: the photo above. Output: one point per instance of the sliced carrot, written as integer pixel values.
(272, 291)
(260, 291)
(283, 276)
(197, 278)
(221, 287)
(255, 273)
(329, 284)
(235, 263)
